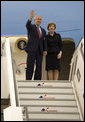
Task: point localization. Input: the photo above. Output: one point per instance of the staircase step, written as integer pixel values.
(46, 96)
(44, 84)
(51, 99)
(44, 90)
(58, 103)
(24, 93)
(34, 84)
(49, 105)
(53, 117)
(48, 81)
(48, 100)
(56, 109)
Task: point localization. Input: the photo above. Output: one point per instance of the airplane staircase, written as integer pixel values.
(48, 100)
(40, 100)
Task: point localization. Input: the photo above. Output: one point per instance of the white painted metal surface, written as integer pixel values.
(52, 101)
(47, 96)
(44, 90)
(57, 109)
(77, 75)
(45, 84)
(9, 69)
(54, 117)
(4, 78)
(13, 114)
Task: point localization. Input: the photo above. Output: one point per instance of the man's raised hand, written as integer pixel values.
(32, 14)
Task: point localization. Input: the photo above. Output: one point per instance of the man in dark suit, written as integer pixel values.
(35, 47)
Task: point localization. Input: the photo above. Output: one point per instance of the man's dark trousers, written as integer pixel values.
(32, 58)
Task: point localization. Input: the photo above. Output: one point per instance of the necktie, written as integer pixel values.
(39, 32)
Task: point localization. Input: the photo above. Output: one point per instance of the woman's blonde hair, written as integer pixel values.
(51, 23)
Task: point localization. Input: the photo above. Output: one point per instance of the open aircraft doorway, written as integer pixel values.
(68, 50)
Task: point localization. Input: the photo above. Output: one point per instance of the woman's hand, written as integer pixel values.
(45, 53)
(59, 55)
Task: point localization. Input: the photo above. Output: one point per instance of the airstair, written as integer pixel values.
(43, 100)
(48, 101)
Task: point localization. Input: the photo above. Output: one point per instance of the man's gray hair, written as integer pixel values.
(36, 16)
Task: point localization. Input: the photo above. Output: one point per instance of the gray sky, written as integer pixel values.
(68, 16)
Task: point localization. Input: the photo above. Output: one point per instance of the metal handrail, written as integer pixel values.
(15, 82)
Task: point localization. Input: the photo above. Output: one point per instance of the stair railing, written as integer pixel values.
(11, 75)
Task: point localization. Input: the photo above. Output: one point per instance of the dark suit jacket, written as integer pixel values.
(33, 38)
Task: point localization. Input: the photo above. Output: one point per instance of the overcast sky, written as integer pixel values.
(68, 16)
